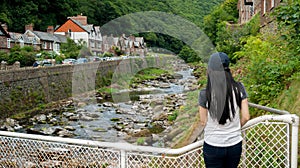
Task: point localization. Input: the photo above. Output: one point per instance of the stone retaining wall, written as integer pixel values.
(26, 88)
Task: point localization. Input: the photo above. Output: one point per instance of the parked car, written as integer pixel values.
(46, 63)
(42, 63)
(94, 58)
(36, 64)
(81, 60)
(69, 61)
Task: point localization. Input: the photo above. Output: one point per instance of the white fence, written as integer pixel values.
(269, 141)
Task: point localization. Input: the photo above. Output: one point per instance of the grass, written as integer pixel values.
(289, 100)
(187, 121)
(148, 74)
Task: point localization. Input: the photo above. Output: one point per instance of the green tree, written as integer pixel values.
(25, 55)
(70, 49)
(188, 54)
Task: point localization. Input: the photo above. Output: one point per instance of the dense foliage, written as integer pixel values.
(227, 11)
(25, 55)
(42, 13)
(230, 38)
(288, 18)
(268, 61)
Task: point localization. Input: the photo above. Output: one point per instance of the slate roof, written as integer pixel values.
(50, 37)
(18, 37)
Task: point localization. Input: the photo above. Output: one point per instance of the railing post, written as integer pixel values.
(294, 145)
(123, 159)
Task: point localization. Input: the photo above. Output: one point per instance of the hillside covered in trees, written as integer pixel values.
(43, 13)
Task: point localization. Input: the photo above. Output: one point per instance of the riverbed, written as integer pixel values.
(144, 119)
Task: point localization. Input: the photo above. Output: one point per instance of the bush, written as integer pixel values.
(270, 65)
(24, 55)
(3, 56)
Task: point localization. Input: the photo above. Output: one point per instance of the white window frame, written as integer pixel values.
(265, 7)
(8, 43)
(57, 47)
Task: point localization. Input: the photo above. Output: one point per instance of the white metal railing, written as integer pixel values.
(269, 141)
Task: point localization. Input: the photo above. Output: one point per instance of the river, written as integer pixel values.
(124, 121)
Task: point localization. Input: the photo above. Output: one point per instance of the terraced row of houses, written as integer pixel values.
(77, 29)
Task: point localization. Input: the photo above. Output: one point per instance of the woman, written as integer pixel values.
(223, 108)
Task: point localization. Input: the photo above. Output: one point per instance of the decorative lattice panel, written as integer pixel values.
(141, 160)
(16, 152)
(265, 145)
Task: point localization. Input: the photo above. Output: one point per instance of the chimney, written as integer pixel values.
(29, 27)
(50, 29)
(4, 26)
(81, 19)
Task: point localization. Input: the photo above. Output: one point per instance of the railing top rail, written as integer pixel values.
(288, 118)
(269, 109)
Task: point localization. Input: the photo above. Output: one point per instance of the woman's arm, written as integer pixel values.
(203, 115)
(245, 116)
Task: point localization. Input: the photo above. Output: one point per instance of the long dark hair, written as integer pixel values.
(221, 89)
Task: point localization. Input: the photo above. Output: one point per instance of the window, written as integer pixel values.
(70, 33)
(50, 46)
(92, 44)
(57, 47)
(8, 42)
(251, 10)
(21, 44)
(34, 40)
(44, 45)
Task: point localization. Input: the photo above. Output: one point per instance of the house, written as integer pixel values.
(137, 46)
(4, 38)
(44, 41)
(128, 45)
(108, 44)
(19, 39)
(249, 8)
(80, 31)
(140, 46)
